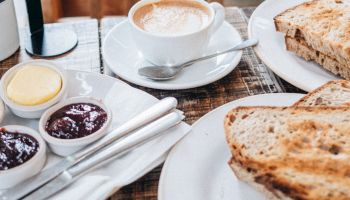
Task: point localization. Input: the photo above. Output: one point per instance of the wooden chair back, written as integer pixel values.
(56, 9)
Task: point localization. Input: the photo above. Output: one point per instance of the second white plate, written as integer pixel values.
(197, 168)
(124, 59)
(271, 48)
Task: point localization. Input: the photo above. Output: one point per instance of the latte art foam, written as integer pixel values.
(172, 17)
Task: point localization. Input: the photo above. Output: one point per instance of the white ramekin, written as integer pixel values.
(37, 110)
(65, 147)
(2, 110)
(13, 176)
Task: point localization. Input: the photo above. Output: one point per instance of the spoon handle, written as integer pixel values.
(240, 46)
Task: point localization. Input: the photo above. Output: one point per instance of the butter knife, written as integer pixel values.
(141, 136)
(154, 112)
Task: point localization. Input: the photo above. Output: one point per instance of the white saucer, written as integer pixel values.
(196, 168)
(123, 58)
(303, 74)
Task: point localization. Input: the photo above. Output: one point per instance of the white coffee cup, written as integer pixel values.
(168, 50)
(9, 38)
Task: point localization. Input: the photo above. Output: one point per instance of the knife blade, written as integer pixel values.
(154, 112)
(143, 135)
(58, 183)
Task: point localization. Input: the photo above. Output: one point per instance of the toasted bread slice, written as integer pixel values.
(323, 24)
(300, 48)
(333, 93)
(248, 177)
(292, 152)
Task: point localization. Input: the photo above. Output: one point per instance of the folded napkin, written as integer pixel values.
(104, 181)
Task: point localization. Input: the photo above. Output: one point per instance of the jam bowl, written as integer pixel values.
(74, 123)
(23, 154)
(28, 97)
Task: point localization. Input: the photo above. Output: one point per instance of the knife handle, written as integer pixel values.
(139, 137)
(154, 112)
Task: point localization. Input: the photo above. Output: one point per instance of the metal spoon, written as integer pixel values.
(162, 73)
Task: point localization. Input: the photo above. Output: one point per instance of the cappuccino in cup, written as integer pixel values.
(171, 32)
(172, 17)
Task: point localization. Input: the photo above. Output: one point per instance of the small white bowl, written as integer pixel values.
(2, 110)
(37, 110)
(13, 176)
(65, 147)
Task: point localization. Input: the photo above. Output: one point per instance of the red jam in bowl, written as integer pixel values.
(75, 121)
(16, 148)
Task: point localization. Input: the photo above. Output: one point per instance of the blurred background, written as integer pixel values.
(61, 10)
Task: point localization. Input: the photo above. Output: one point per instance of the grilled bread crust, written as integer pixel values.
(300, 48)
(301, 152)
(333, 93)
(323, 24)
(292, 152)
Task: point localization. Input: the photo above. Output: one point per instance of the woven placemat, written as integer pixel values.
(250, 77)
(85, 57)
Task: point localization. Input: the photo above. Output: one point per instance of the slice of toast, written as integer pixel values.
(333, 93)
(300, 48)
(292, 152)
(323, 24)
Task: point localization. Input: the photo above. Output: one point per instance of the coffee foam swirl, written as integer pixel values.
(172, 17)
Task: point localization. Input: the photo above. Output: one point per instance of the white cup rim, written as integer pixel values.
(136, 6)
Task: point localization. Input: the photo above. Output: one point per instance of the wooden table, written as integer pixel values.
(249, 78)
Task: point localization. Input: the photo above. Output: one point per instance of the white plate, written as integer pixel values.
(197, 168)
(124, 102)
(123, 58)
(271, 48)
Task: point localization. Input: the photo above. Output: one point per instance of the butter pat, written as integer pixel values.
(33, 85)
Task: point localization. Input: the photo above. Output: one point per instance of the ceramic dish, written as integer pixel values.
(197, 167)
(2, 110)
(13, 176)
(124, 102)
(303, 74)
(65, 147)
(37, 110)
(124, 59)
